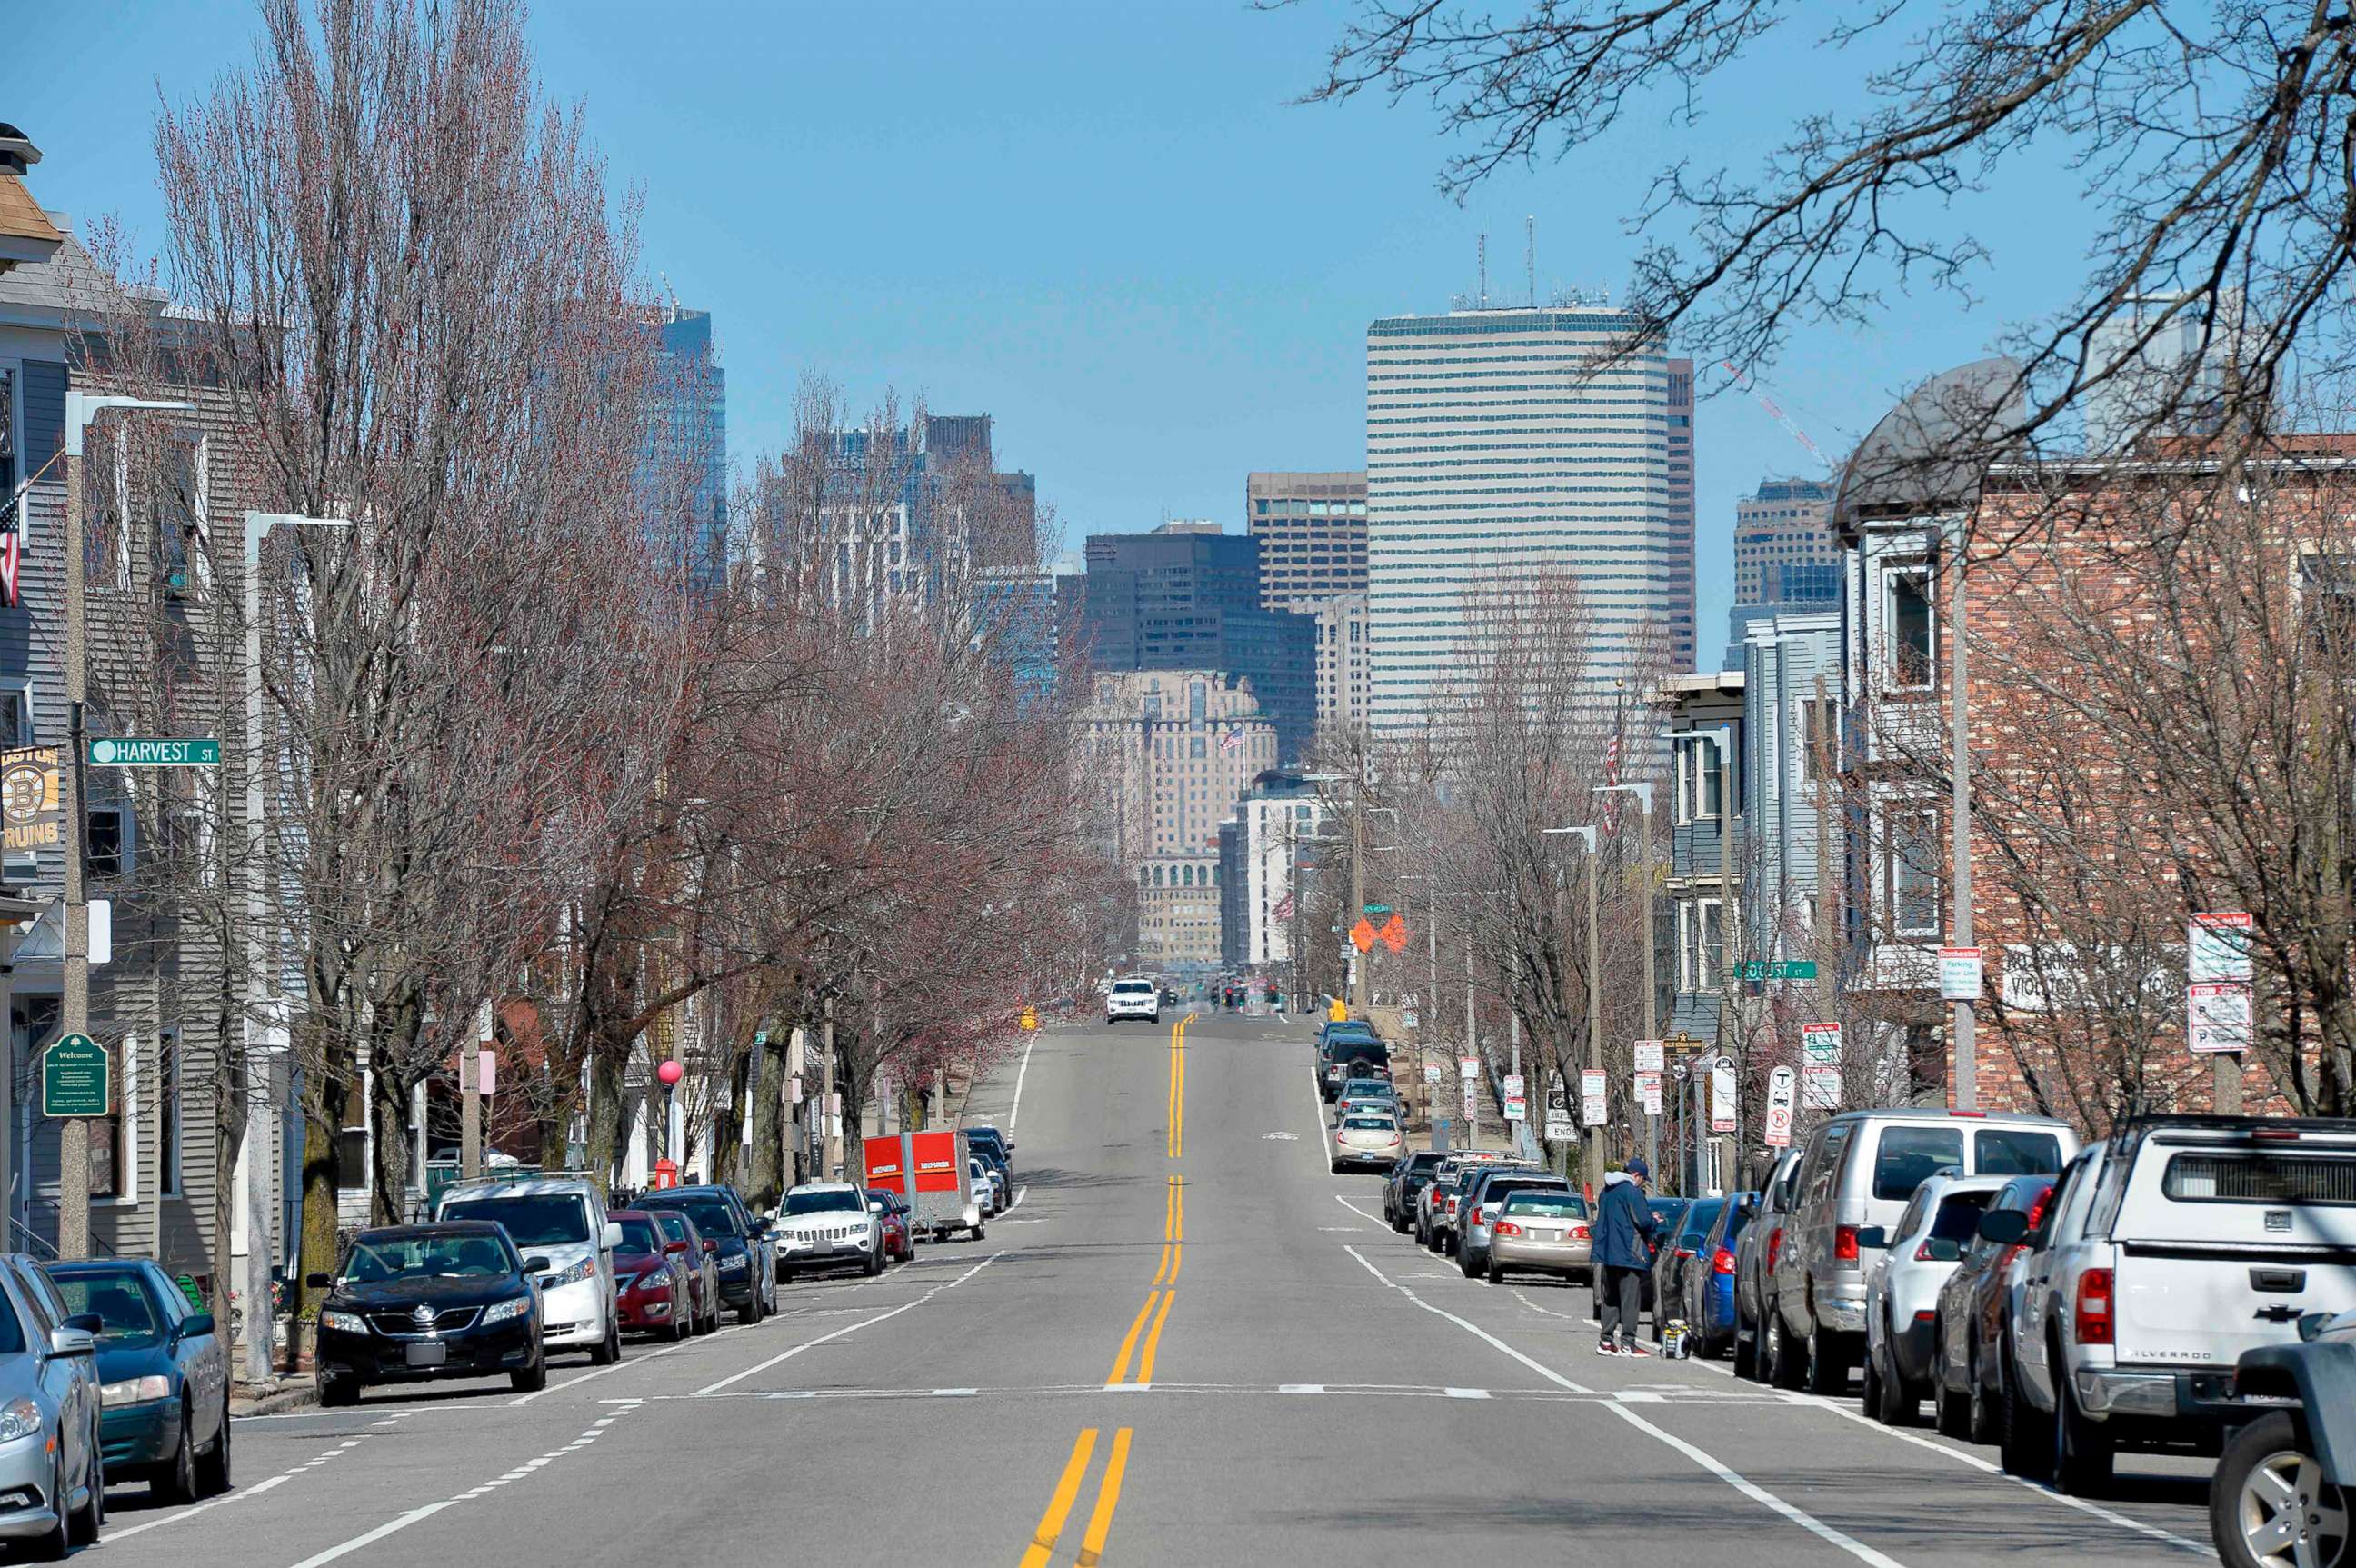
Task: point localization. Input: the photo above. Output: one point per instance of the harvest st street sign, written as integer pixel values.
(75, 1078)
(136, 751)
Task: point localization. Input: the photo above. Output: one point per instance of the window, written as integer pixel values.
(182, 559)
(16, 718)
(1699, 780)
(1911, 1155)
(167, 1112)
(103, 845)
(1701, 944)
(1910, 876)
(1907, 610)
(2238, 1176)
(2007, 1152)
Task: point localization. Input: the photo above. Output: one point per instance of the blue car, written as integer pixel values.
(1708, 1282)
(163, 1377)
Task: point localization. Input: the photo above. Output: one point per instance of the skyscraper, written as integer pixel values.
(1497, 449)
(687, 449)
(1186, 597)
(1783, 548)
(1311, 529)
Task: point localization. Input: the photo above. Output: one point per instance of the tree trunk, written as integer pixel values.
(322, 1119)
(764, 1169)
(388, 1181)
(604, 1152)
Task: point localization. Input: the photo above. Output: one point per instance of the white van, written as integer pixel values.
(562, 1219)
(1854, 1181)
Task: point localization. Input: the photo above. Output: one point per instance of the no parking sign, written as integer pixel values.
(1780, 1086)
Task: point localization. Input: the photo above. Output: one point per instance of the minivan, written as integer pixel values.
(1854, 1180)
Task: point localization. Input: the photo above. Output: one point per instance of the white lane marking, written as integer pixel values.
(655, 1355)
(1300, 1387)
(1015, 1114)
(417, 1515)
(1467, 1393)
(848, 1328)
(1019, 1194)
(1279, 1137)
(1355, 1209)
(337, 1452)
(1549, 1312)
(1759, 1494)
(2199, 1549)
(1541, 1369)
(1316, 1145)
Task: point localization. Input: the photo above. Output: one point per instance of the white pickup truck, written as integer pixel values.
(2167, 1251)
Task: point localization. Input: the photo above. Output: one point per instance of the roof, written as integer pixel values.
(437, 1228)
(1925, 455)
(520, 1186)
(825, 1186)
(26, 233)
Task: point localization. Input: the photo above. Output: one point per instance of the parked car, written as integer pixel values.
(1706, 1302)
(413, 1302)
(162, 1377)
(1971, 1313)
(2280, 1496)
(892, 1216)
(829, 1224)
(747, 1254)
(1374, 1095)
(701, 1256)
(1135, 999)
(1859, 1171)
(563, 1221)
(1435, 1216)
(994, 1146)
(52, 1445)
(1484, 1197)
(1407, 1180)
(1679, 1245)
(1754, 1266)
(988, 1185)
(1901, 1292)
(650, 1284)
(1542, 1231)
(1348, 1050)
(2171, 1249)
(1366, 1138)
(1668, 1216)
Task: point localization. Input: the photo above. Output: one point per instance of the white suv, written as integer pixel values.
(1134, 999)
(824, 1224)
(561, 1219)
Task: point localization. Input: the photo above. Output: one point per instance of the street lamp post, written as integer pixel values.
(1643, 793)
(1593, 1135)
(73, 1134)
(262, 1105)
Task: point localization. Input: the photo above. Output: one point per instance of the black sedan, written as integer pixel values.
(163, 1375)
(419, 1302)
(748, 1257)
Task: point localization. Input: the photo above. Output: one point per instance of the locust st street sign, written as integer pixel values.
(136, 751)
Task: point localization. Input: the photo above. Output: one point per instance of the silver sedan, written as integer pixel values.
(50, 1409)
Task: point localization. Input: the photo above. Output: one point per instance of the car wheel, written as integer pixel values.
(213, 1470)
(336, 1392)
(1495, 1271)
(1746, 1355)
(976, 1233)
(2082, 1452)
(532, 1379)
(1870, 1398)
(1827, 1368)
(2022, 1435)
(91, 1517)
(749, 1312)
(874, 1263)
(608, 1351)
(1980, 1410)
(1787, 1365)
(1897, 1400)
(177, 1483)
(51, 1544)
(2271, 1503)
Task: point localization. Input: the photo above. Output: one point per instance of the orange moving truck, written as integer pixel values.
(933, 1171)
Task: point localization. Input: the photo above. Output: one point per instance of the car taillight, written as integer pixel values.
(1507, 1227)
(1722, 1262)
(1844, 1243)
(1684, 1251)
(1479, 1218)
(2093, 1319)
(1923, 1252)
(1774, 1245)
(1579, 1233)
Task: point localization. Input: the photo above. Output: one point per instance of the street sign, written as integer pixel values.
(1375, 910)
(75, 1078)
(1820, 1045)
(1594, 1094)
(1559, 1127)
(1959, 975)
(1824, 1089)
(1362, 936)
(1432, 1072)
(1722, 1096)
(2217, 947)
(1649, 1054)
(1518, 1105)
(1471, 1102)
(1394, 934)
(1468, 1067)
(1781, 1084)
(153, 751)
(2219, 1016)
(1411, 1019)
(1777, 969)
(1648, 1092)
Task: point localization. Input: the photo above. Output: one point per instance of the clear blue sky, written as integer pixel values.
(1102, 221)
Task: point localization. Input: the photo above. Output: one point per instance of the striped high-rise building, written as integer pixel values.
(1497, 449)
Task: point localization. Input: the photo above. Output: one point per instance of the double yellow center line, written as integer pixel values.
(1068, 1492)
(1178, 1087)
(1157, 1299)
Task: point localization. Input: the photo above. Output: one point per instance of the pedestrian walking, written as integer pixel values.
(1625, 1232)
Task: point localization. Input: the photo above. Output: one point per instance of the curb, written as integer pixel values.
(299, 1398)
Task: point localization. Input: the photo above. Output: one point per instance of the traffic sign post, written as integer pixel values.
(1781, 1084)
(77, 1078)
(150, 751)
(1518, 1105)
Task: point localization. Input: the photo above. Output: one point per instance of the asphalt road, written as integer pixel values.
(1187, 1344)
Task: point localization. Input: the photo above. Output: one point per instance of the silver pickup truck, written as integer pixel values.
(2166, 1252)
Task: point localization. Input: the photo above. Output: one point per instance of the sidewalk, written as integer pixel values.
(272, 1398)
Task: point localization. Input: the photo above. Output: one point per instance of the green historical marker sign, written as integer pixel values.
(77, 1078)
(136, 751)
(1781, 968)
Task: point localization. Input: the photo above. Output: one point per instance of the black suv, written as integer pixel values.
(416, 1301)
(748, 1257)
(1349, 1052)
(1408, 1179)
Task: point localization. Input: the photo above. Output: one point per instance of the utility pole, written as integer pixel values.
(470, 1103)
(1591, 1136)
(1357, 910)
(73, 1134)
(1967, 1089)
(1643, 793)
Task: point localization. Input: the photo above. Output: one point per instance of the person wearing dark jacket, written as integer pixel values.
(1625, 1232)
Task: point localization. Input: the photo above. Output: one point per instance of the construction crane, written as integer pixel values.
(1743, 380)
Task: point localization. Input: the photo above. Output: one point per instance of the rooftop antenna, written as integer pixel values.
(1483, 296)
(1530, 255)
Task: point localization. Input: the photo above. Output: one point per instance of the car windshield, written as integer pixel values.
(1909, 1156)
(1667, 1210)
(376, 1259)
(1544, 1200)
(673, 1226)
(822, 1202)
(638, 1235)
(543, 1220)
(1698, 1219)
(1958, 1219)
(1132, 988)
(128, 1316)
(2009, 1151)
(711, 1215)
(1379, 1123)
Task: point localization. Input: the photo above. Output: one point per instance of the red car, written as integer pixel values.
(651, 1283)
(899, 1242)
(700, 1255)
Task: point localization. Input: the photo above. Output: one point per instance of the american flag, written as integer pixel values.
(1231, 741)
(1283, 910)
(11, 550)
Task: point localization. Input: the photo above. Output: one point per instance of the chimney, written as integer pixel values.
(17, 153)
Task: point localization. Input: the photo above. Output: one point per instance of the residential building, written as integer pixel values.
(1311, 529)
(1794, 804)
(1283, 818)
(1344, 665)
(686, 460)
(1500, 446)
(1783, 548)
(1186, 597)
(1170, 753)
(2173, 357)
(1706, 727)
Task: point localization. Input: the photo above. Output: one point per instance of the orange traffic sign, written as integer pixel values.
(1394, 934)
(1362, 936)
